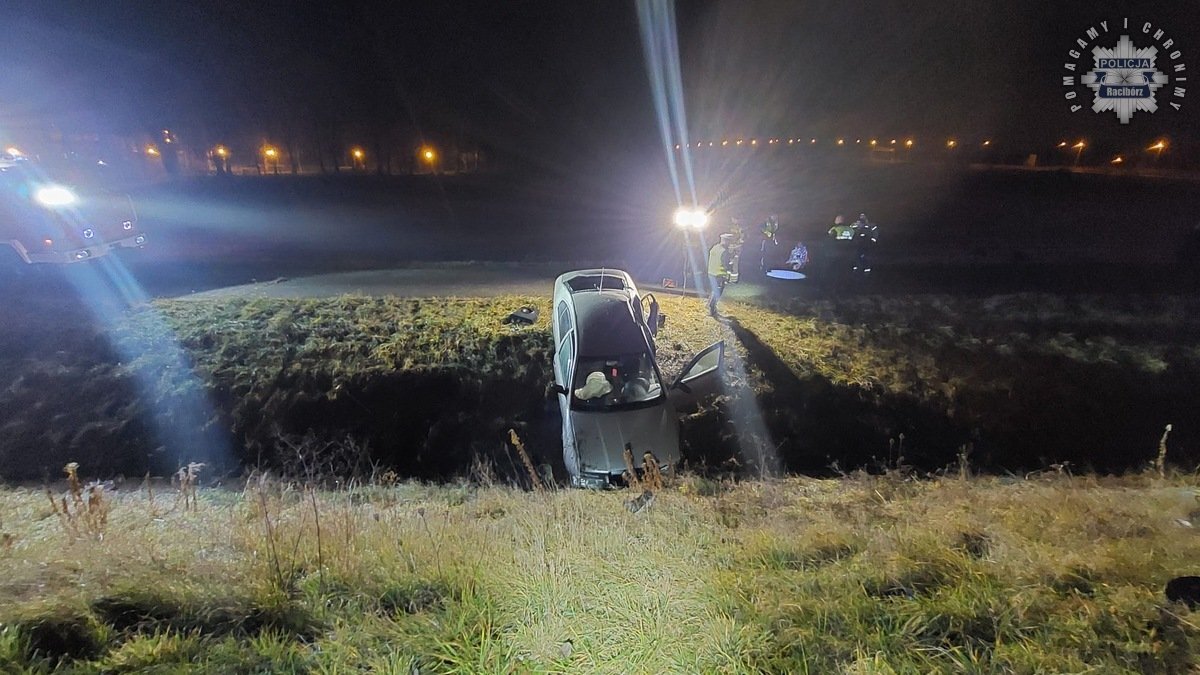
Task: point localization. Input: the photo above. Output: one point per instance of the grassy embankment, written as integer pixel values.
(867, 574)
(1018, 381)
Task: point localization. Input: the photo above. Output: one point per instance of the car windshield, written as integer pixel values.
(615, 382)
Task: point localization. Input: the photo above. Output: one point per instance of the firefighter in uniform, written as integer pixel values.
(768, 230)
(734, 249)
(866, 235)
(836, 260)
(719, 259)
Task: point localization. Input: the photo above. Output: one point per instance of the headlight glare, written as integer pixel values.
(54, 196)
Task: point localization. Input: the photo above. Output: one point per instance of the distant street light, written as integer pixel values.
(1079, 150)
(951, 143)
(1117, 160)
(358, 155)
(1158, 149)
(220, 162)
(270, 155)
(13, 151)
(908, 143)
(429, 156)
(151, 150)
(841, 141)
(987, 144)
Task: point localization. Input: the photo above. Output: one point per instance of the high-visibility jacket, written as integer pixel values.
(716, 261)
(842, 232)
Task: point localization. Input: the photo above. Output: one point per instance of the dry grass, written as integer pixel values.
(903, 344)
(862, 574)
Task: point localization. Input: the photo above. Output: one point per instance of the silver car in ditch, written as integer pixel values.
(607, 380)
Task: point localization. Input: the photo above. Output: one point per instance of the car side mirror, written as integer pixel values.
(558, 389)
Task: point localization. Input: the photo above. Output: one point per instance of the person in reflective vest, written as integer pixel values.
(840, 230)
(866, 235)
(768, 230)
(718, 270)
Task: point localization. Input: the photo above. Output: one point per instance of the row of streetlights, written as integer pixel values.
(1157, 148)
(874, 142)
(271, 154)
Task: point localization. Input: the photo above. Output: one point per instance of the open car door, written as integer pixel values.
(700, 379)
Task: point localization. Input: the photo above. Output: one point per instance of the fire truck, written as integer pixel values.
(60, 213)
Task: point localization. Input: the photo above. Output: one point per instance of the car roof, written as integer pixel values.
(606, 324)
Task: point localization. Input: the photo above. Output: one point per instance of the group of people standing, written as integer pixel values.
(846, 246)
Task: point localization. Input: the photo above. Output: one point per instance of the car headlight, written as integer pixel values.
(54, 196)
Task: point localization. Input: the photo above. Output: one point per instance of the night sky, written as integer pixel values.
(554, 80)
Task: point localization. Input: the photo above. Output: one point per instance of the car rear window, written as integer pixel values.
(593, 282)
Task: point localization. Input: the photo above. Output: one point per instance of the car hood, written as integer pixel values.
(600, 437)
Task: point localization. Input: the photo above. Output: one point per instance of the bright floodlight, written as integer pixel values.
(13, 151)
(686, 218)
(54, 196)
